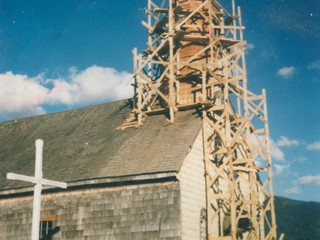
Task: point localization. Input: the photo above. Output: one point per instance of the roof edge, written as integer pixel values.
(146, 178)
(19, 119)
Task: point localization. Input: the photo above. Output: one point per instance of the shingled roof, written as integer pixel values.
(84, 144)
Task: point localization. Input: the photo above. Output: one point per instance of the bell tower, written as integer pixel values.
(195, 58)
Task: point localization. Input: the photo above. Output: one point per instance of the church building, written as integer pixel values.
(141, 183)
(187, 158)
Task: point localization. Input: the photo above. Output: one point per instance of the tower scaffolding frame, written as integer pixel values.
(195, 58)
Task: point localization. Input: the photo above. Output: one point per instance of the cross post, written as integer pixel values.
(38, 181)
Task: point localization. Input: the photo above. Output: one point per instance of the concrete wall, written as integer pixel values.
(148, 211)
(193, 197)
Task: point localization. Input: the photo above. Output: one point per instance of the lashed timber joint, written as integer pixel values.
(195, 58)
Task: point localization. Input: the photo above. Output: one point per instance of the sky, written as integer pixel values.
(57, 55)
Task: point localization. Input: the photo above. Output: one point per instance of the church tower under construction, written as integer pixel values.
(193, 159)
(195, 59)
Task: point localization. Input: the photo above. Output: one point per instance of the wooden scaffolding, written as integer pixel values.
(195, 58)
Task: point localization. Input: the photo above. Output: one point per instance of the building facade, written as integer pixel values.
(144, 183)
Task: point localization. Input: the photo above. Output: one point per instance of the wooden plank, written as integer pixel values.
(52, 218)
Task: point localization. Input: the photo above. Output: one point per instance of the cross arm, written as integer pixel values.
(53, 183)
(43, 181)
(14, 176)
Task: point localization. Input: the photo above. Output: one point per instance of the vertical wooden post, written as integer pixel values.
(37, 191)
(268, 145)
(171, 62)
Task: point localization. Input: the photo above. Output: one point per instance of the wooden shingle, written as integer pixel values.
(84, 144)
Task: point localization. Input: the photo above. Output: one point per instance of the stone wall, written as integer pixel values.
(147, 211)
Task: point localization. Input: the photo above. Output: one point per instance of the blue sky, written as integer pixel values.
(57, 55)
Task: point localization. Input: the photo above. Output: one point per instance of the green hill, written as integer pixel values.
(297, 219)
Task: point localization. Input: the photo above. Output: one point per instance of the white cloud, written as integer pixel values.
(314, 65)
(309, 180)
(21, 95)
(91, 85)
(257, 142)
(249, 47)
(280, 168)
(285, 142)
(276, 147)
(276, 152)
(305, 180)
(315, 146)
(286, 72)
(293, 190)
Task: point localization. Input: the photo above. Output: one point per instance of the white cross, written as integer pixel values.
(39, 181)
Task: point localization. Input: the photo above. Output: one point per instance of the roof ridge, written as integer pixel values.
(64, 111)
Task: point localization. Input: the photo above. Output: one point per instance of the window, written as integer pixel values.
(46, 230)
(47, 227)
